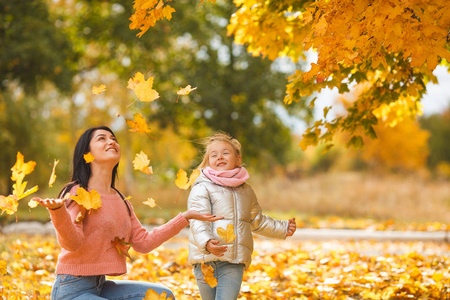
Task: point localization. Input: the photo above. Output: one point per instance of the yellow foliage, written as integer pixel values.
(227, 234)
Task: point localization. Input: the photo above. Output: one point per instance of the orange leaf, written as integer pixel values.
(88, 157)
(98, 89)
(139, 124)
(9, 204)
(182, 180)
(121, 246)
(141, 163)
(89, 200)
(20, 169)
(3, 269)
(151, 202)
(208, 275)
(226, 234)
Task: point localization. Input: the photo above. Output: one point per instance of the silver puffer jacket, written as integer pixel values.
(239, 207)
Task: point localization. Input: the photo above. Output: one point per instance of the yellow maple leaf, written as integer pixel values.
(153, 295)
(143, 88)
(208, 275)
(20, 169)
(151, 202)
(139, 124)
(182, 181)
(98, 89)
(227, 234)
(185, 91)
(19, 189)
(122, 247)
(89, 200)
(3, 268)
(9, 204)
(141, 163)
(88, 157)
(53, 175)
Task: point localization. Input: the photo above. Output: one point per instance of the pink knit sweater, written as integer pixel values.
(86, 246)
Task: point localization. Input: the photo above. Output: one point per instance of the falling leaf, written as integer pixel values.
(88, 157)
(98, 89)
(208, 275)
(9, 204)
(143, 88)
(141, 163)
(89, 200)
(3, 269)
(153, 295)
(227, 234)
(33, 203)
(118, 114)
(20, 169)
(127, 198)
(121, 246)
(182, 180)
(19, 189)
(151, 202)
(139, 125)
(185, 91)
(53, 176)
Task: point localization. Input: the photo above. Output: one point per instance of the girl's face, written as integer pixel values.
(104, 147)
(222, 156)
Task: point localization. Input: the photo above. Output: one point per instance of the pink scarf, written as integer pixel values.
(230, 178)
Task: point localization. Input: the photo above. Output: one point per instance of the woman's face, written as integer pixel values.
(222, 156)
(104, 147)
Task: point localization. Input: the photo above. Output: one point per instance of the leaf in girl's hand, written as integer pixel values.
(227, 234)
(98, 89)
(141, 163)
(208, 275)
(88, 157)
(151, 202)
(153, 295)
(143, 88)
(122, 247)
(182, 181)
(53, 175)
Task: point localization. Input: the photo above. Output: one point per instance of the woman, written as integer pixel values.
(95, 245)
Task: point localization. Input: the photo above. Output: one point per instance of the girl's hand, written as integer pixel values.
(292, 227)
(193, 214)
(213, 247)
(50, 203)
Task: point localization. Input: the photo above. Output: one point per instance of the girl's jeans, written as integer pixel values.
(229, 279)
(97, 287)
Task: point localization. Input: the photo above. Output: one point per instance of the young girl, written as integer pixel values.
(89, 246)
(221, 189)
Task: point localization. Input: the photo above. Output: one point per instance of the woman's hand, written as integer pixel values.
(50, 203)
(213, 247)
(193, 214)
(292, 227)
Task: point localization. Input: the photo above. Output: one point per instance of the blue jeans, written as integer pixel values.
(97, 287)
(229, 280)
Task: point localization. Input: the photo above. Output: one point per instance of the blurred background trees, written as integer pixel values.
(53, 52)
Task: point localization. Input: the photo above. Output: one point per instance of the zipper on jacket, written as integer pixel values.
(235, 224)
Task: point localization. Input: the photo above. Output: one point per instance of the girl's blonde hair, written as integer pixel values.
(219, 136)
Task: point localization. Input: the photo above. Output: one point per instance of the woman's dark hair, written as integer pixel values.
(81, 171)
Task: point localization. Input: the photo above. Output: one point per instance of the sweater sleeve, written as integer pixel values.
(70, 235)
(144, 241)
(265, 225)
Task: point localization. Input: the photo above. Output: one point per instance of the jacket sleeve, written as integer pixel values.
(201, 231)
(265, 225)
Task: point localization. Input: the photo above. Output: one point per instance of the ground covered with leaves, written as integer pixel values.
(280, 270)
